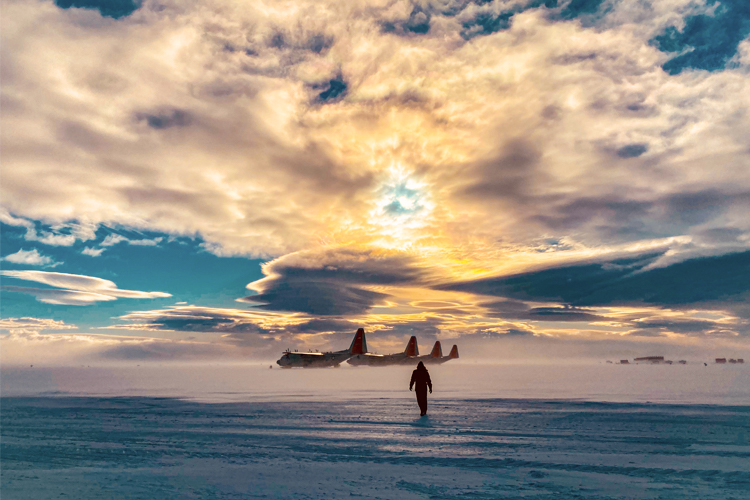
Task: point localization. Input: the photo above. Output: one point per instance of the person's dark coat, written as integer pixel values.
(421, 378)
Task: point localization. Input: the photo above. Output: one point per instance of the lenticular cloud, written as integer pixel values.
(74, 289)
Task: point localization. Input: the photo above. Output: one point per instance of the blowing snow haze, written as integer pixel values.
(224, 180)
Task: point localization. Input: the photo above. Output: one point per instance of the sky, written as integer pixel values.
(224, 179)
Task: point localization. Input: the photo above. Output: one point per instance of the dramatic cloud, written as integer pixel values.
(627, 281)
(265, 129)
(73, 289)
(525, 168)
(332, 282)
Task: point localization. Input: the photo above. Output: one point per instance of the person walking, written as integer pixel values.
(421, 378)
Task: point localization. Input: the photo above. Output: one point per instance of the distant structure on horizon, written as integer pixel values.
(624, 362)
(721, 361)
(654, 360)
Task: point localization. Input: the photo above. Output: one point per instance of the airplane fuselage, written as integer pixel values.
(369, 359)
(312, 359)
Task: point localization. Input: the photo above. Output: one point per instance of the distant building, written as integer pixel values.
(624, 362)
(650, 359)
(682, 362)
(740, 360)
(721, 360)
(733, 361)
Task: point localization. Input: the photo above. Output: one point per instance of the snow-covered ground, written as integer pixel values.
(326, 443)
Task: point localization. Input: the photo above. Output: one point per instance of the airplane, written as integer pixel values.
(290, 359)
(436, 356)
(400, 358)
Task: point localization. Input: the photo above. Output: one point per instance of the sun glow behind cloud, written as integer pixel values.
(384, 156)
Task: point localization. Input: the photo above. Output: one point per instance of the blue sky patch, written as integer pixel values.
(707, 42)
(336, 88)
(577, 8)
(179, 266)
(487, 22)
(107, 8)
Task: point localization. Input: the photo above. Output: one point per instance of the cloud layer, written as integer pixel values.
(449, 167)
(73, 289)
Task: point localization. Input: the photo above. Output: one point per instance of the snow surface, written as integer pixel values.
(230, 440)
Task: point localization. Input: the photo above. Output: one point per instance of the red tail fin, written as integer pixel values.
(437, 351)
(359, 344)
(454, 352)
(411, 348)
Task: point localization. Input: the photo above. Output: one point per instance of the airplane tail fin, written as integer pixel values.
(454, 352)
(411, 348)
(437, 351)
(359, 344)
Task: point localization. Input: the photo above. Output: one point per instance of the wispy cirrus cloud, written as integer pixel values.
(73, 289)
(114, 239)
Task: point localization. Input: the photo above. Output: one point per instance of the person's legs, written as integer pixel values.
(422, 401)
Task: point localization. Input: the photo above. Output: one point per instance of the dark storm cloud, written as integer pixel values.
(516, 310)
(680, 326)
(616, 211)
(516, 179)
(331, 283)
(234, 323)
(510, 174)
(691, 208)
(623, 218)
(627, 281)
(302, 293)
(707, 41)
(315, 167)
(107, 8)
